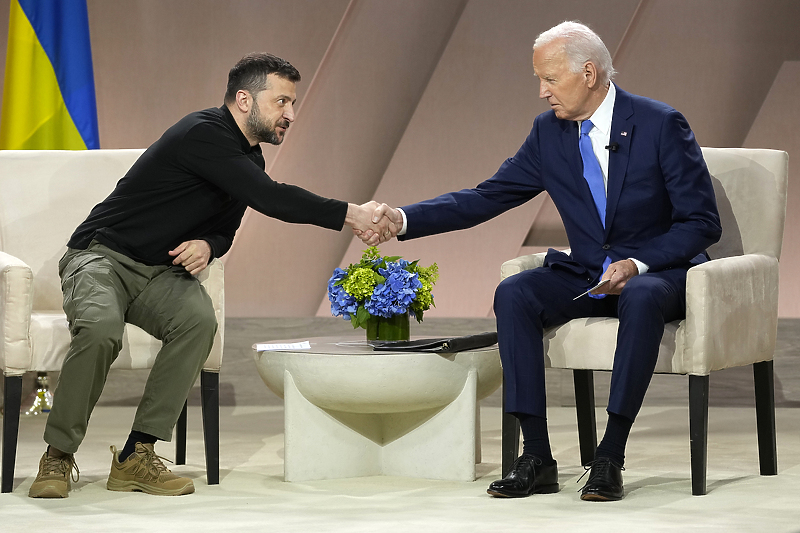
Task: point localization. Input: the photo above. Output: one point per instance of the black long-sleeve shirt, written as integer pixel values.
(195, 182)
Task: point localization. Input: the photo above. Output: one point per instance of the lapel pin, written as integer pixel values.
(624, 133)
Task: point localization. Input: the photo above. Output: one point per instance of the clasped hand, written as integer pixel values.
(374, 223)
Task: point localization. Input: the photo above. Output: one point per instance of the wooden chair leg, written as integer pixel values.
(698, 431)
(584, 408)
(12, 400)
(764, 381)
(209, 386)
(180, 436)
(509, 437)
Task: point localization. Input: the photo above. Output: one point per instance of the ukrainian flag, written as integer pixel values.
(48, 91)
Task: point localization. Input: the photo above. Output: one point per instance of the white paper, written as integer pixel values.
(593, 288)
(305, 345)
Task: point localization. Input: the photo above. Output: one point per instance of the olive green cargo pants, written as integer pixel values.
(102, 290)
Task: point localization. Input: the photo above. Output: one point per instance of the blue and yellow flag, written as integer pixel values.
(48, 91)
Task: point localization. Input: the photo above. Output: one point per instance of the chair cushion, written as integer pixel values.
(589, 344)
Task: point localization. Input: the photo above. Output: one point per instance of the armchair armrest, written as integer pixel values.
(525, 262)
(517, 265)
(731, 313)
(16, 303)
(213, 280)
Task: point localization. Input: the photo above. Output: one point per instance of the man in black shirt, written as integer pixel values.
(135, 257)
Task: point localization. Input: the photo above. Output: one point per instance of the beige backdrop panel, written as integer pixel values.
(776, 127)
(412, 98)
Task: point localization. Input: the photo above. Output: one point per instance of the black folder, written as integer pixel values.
(441, 345)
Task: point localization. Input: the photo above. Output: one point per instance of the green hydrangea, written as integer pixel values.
(424, 300)
(360, 282)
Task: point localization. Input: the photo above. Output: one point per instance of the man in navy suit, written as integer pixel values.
(636, 199)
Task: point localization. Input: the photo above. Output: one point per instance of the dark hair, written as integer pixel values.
(250, 73)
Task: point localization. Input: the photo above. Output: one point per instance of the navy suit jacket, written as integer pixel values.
(660, 209)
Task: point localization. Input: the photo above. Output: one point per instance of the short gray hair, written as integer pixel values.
(580, 45)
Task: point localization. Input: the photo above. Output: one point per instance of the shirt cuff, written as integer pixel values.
(405, 222)
(641, 266)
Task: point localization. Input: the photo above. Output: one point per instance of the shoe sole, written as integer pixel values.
(135, 486)
(594, 497)
(544, 489)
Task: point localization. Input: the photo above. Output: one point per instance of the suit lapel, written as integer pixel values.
(622, 131)
(569, 138)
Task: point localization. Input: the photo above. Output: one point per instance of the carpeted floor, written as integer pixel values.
(253, 495)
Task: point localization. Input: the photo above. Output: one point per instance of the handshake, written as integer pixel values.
(373, 223)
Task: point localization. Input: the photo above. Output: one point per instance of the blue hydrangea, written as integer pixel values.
(342, 303)
(394, 296)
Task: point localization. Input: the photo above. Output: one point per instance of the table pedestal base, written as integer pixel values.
(435, 443)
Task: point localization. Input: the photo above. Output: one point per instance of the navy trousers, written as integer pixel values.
(530, 302)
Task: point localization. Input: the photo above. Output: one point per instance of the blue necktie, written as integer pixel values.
(593, 175)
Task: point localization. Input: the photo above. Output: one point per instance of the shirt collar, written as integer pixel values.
(602, 116)
(238, 132)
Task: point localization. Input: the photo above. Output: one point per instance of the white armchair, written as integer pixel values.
(731, 312)
(44, 196)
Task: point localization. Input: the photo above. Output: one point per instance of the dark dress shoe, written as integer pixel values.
(528, 476)
(605, 482)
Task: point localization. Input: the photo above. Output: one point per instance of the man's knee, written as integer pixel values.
(200, 320)
(643, 293)
(518, 293)
(507, 295)
(102, 332)
(207, 319)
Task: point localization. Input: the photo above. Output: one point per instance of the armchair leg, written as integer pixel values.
(180, 437)
(12, 398)
(763, 378)
(209, 385)
(510, 438)
(584, 408)
(698, 431)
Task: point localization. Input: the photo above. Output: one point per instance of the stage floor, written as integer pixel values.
(252, 493)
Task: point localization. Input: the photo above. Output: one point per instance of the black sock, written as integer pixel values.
(535, 440)
(133, 438)
(615, 438)
(56, 452)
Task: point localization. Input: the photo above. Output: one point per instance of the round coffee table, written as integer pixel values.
(351, 411)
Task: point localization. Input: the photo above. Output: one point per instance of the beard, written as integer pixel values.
(262, 130)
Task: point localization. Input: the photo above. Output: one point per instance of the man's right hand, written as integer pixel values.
(369, 228)
(383, 214)
(391, 213)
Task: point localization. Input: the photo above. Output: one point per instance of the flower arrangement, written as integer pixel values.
(381, 287)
